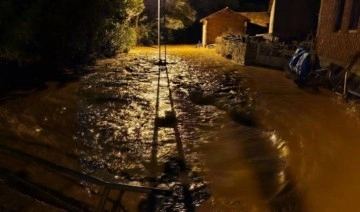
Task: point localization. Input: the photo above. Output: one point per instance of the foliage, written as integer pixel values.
(147, 32)
(133, 8)
(127, 36)
(179, 14)
(115, 37)
(182, 16)
(65, 31)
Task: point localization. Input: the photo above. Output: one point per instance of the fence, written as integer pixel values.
(258, 53)
(273, 54)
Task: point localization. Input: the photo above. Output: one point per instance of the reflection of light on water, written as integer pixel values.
(273, 137)
(166, 143)
(353, 110)
(281, 177)
(283, 153)
(279, 144)
(120, 109)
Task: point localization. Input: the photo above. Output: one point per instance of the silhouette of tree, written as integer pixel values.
(65, 31)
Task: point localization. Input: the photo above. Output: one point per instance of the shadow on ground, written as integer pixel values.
(18, 80)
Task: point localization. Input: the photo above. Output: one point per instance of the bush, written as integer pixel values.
(66, 32)
(115, 38)
(127, 38)
(147, 35)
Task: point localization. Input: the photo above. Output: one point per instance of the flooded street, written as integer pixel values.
(217, 135)
(322, 134)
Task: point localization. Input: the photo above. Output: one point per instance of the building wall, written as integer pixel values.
(336, 46)
(221, 23)
(294, 19)
(204, 36)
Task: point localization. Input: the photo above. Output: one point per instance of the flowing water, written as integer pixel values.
(220, 136)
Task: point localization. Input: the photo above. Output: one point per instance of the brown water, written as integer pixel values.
(323, 138)
(246, 138)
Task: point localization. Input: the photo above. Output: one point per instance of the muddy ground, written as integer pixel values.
(251, 139)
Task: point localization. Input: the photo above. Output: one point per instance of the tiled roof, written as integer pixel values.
(258, 18)
(226, 9)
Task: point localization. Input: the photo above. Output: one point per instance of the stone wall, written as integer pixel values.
(254, 53)
(241, 52)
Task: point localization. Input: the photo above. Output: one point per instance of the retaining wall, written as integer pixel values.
(241, 52)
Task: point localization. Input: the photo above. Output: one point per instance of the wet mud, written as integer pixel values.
(219, 136)
(117, 115)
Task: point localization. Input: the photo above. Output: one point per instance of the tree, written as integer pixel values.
(179, 14)
(133, 8)
(119, 34)
(65, 31)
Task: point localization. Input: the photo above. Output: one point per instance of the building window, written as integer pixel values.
(354, 15)
(339, 13)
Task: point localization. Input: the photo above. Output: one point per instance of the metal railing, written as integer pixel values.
(84, 177)
(273, 54)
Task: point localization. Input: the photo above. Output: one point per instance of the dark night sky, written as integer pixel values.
(206, 7)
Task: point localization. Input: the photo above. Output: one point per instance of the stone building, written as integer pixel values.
(338, 35)
(226, 21)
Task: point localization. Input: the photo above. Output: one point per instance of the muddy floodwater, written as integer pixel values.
(216, 135)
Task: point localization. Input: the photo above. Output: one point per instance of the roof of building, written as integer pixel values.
(226, 9)
(258, 18)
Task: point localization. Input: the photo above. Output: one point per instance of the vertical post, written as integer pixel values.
(345, 84)
(103, 199)
(164, 28)
(159, 35)
(257, 57)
